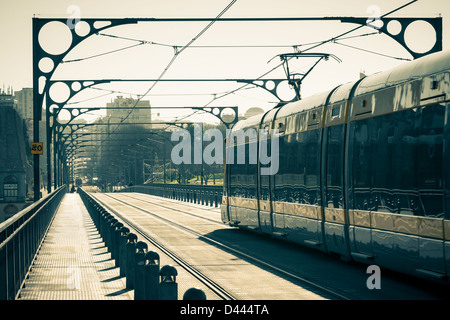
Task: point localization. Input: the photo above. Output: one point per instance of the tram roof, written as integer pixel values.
(433, 63)
(430, 64)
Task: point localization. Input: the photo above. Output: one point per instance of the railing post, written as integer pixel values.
(194, 294)
(151, 276)
(115, 253)
(111, 235)
(3, 274)
(129, 256)
(123, 250)
(168, 286)
(139, 264)
(16, 253)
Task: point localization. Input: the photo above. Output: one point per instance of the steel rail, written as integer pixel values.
(216, 288)
(257, 261)
(178, 210)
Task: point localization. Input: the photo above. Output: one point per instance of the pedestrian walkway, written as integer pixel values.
(73, 262)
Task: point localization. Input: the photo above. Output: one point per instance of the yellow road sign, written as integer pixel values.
(37, 148)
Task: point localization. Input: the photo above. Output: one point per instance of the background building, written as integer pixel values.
(14, 166)
(24, 103)
(128, 110)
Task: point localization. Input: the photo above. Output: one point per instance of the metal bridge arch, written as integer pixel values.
(42, 76)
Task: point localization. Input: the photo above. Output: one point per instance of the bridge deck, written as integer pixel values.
(73, 263)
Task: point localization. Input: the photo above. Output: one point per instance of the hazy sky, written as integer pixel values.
(148, 61)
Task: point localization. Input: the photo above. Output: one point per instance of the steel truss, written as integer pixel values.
(43, 81)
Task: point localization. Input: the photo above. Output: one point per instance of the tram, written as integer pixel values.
(363, 170)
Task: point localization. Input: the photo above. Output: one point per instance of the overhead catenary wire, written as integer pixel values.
(370, 51)
(236, 46)
(315, 45)
(220, 94)
(177, 53)
(89, 99)
(357, 28)
(102, 54)
(179, 49)
(111, 91)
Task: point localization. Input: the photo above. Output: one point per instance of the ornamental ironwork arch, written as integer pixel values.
(45, 61)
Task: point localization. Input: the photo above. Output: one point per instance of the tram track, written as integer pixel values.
(215, 287)
(208, 282)
(179, 210)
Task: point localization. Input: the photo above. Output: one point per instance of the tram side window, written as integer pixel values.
(250, 171)
(226, 179)
(382, 141)
(398, 162)
(361, 164)
(289, 182)
(243, 176)
(281, 187)
(446, 160)
(234, 174)
(312, 167)
(298, 176)
(265, 179)
(334, 171)
(403, 196)
(430, 150)
(299, 151)
(393, 158)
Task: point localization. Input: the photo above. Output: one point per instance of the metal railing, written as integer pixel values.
(201, 194)
(140, 266)
(20, 239)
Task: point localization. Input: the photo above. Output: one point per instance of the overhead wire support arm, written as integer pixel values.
(296, 82)
(42, 95)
